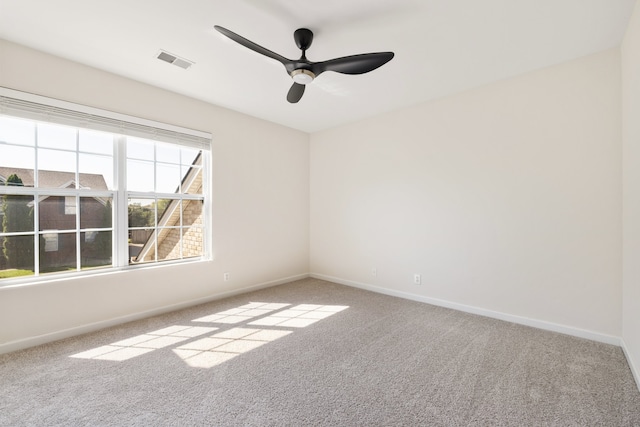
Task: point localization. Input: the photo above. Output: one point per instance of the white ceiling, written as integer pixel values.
(441, 46)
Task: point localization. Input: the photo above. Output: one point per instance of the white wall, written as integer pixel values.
(260, 205)
(631, 192)
(505, 199)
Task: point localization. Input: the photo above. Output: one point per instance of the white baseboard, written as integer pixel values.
(540, 324)
(91, 327)
(635, 369)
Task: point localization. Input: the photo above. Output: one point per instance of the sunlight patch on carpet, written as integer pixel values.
(198, 348)
(242, 313)
(300, 316)
(145, 343)
(221, 347)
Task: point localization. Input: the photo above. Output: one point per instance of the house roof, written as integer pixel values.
(54, 179)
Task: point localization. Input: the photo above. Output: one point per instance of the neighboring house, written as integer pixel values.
(169, 238)
(59, 213)
(54, 179)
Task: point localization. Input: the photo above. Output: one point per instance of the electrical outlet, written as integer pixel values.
(226, 277)
(374, 272)
(417, 279)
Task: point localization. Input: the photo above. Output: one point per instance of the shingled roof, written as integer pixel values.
(54, 179)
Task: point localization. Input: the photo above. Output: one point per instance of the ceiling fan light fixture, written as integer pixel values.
(302, 76)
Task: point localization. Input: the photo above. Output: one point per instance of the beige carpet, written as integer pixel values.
(315, 353)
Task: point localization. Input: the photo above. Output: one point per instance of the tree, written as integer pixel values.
(163, 204)
(17, 217)
(103, 239)
(141, 216)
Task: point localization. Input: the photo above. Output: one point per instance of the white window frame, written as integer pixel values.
(43, 109)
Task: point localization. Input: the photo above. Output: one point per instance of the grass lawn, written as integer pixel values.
(6, 274)
(10, 273)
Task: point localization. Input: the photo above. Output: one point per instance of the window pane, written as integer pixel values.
(192, 212)
(140, 236)
(18, 160)
(95, 212)
(188, 156)
(169, 244)
(17, 131)
(140, 176)
(96, 142)
(57, 252)
(167, 178)
(192, 180)
(192, 242)
(140, 148)
(167, 153)
(96, 172)
(16, 213)
(17, 257)
(168, 212)
(55, 136)
(141, 246)
(95, 249)
(56, 169)
(141, 213)
(57, 213)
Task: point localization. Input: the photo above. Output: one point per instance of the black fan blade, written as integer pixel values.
(295, 93)
(251, 45)
(354, 64)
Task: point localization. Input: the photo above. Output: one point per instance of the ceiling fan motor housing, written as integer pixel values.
(303, 38)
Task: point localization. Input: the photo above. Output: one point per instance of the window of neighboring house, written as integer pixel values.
(70, 205)
(75, 198)
(90, 236)
(50, 242)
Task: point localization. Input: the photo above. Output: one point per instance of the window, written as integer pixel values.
(81, 192)
(50, 242)
(165, 201)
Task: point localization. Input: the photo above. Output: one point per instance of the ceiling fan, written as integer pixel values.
(304, 71)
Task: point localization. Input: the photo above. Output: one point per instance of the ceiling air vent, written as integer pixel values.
(173, 59)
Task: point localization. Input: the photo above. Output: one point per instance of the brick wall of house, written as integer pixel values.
(53, 217)
(192, 238)
(169, 247)
(169, 242)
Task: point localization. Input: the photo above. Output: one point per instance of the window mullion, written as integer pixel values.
(36, 235)
(36, 147)
(77, 197)
(36, 206)
(120, 222)
(155, 191)
(207, 212)
(78, 234)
